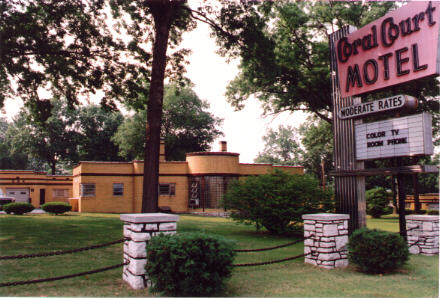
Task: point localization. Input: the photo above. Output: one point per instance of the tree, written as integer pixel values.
(9, 160)
(186, 126)
(275, 201)
(66, 137)
(309, 145)
(281, 147)
(130, 136)
(284, 53)
(378, 201)
(66, 48)
(317, 140)
(96, 127)
(170, 20)
(52, 141)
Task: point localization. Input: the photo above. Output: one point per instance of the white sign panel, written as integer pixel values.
(378, 106)
(405, 136)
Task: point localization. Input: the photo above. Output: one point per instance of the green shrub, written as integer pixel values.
(56, 207)
(432, 212)
(409, 211)
(191, 264)
(377, 202)
(377, 251)
(18, 208)
(276, 201)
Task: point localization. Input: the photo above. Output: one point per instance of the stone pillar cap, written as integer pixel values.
(149, 217)
(422, 217)
(325, 216)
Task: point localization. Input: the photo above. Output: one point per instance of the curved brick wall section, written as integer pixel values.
(423, 232)
(328, 237)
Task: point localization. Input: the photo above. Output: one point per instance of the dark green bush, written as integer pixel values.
(189, 264)
(377, 251)
(432, 212)
(18, 208)
(276, 201)
(56, 207)
(378, 202)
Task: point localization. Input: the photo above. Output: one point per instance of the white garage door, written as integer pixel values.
(20, 194)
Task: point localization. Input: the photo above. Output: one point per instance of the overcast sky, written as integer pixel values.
(210, 74)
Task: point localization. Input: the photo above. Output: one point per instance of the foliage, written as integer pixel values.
(8, 159)
(66, 137)
(376, 251)
(378, 201)
(432, 212)
(64, 48)
(56, 207)
(283, 49)
(317, 140)
(280, 147)
(191, 264)
(275, 201)
(96, 127)
(187, 126)
(18, 208)
(50, 142)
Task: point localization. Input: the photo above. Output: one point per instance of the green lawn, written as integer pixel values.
(42, 233)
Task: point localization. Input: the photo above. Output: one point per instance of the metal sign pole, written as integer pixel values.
(349, 188)
(402, 196)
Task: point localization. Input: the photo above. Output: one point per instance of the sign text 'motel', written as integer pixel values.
(405, 136)
(397, 48)
(378, 106)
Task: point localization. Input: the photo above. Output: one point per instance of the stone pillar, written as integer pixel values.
(139, 228)
(328, 237)
(423, 234)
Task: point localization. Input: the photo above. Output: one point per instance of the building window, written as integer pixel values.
(61, 193)
(88, 190)
(118, 189)
(167, 189)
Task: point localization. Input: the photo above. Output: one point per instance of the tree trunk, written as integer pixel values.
(163, 12)
(53, 167)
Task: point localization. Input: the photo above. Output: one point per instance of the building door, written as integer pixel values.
(42, 196)
(20, 194)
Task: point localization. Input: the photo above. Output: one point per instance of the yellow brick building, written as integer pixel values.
(34, 187)
(196, 184)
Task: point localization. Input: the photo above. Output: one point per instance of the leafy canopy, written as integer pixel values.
(284, 53)
(187, 126)
(276, 201)
(280, 147)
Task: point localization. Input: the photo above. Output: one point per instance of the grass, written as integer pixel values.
(42, 233)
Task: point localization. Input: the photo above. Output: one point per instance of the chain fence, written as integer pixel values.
(62, 252)
(271, 248)
(34, 281)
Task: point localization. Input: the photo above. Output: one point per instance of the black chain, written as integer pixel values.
(273, 247)
(34, 281)
(62, 252)
(271, 262)
(414, 243)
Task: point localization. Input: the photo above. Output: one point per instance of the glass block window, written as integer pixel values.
(167, 189)
(118, 189)
(88, 190)
(60, 193)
